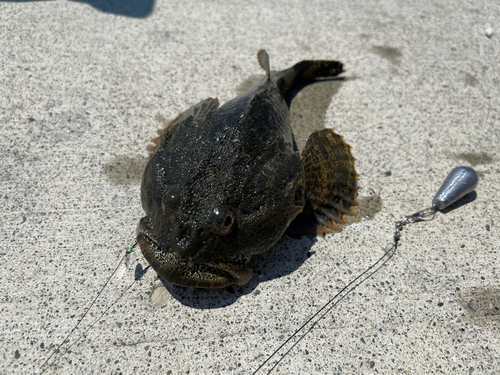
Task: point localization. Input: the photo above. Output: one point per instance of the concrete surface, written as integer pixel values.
(83, 88)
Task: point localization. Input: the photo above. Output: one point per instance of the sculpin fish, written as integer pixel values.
(224, 183)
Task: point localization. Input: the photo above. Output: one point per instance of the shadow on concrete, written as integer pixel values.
(125, 170)
(129, 8)
(471, 197)
(281, 260)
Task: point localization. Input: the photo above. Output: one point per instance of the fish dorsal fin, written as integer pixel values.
(263, 58)
(204, 108)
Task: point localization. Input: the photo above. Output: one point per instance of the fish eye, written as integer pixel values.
(222, 220)
(169, 202)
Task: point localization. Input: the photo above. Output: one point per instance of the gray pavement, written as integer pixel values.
(83, 88)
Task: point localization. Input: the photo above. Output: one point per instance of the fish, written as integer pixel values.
(224, 183)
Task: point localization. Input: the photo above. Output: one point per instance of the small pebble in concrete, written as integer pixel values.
(160, 296)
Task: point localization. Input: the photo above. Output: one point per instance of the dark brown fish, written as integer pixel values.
(225, 183)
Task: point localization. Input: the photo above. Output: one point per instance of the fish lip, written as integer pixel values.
(144, 229)
(179, 271)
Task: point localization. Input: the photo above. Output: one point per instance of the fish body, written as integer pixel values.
(224, 183)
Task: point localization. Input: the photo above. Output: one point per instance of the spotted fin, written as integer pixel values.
(330, 184)
(198, 112)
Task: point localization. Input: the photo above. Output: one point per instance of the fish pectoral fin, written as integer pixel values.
(330, 184)
(263, 59)
(197, 112)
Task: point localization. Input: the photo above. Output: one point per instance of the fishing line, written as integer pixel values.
(459, 182)
(128, 251)
(389, 253)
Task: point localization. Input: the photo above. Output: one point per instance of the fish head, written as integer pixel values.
(206, 218)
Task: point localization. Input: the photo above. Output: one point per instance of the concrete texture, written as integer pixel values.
(83, 88)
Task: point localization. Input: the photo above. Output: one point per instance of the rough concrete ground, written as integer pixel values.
(83, 88)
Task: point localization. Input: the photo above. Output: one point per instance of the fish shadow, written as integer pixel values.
(281, 260)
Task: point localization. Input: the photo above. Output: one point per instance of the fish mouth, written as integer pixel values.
(186, 271)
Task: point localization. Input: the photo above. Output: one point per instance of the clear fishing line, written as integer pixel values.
(125, 257)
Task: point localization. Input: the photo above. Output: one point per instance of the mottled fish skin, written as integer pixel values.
(224, 183)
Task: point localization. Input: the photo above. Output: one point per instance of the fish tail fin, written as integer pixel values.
(305, 72)
(330, 184)
(263, 59)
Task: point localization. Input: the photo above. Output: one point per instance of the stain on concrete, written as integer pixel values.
(470, 80)
(474, 158)
(59, 128)
(304, 45)
(367, 209)
(125, 170)
(390, 53)
(481, 305)
(482, 174)
(247, 83)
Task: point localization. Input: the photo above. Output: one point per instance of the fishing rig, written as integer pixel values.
(459, 182)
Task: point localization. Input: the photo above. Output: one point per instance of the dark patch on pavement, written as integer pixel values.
(59, 128)
(390, 53)
(475, 158)
(247, 83)
(470, 80)
(125, 170)
(368, 208)
(481, 305)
